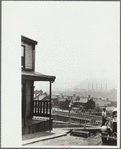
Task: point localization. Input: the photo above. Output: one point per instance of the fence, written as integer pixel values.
(65, 119)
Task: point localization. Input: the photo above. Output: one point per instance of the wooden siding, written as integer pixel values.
(39, 127)
(29, 56)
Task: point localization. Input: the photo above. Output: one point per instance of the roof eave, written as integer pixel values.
(38, 78)
(28, 40)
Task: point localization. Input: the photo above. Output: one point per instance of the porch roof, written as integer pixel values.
(36, 76)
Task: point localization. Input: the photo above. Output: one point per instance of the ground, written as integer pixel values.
(69, 141)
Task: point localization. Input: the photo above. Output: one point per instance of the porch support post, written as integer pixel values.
(50, 99)
(32, 98)
(24, 101)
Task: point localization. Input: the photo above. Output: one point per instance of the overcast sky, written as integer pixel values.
(76, 40)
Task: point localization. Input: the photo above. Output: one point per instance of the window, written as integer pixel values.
(23, 56)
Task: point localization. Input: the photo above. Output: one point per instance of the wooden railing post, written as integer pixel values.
(32, 100)
(50, 99)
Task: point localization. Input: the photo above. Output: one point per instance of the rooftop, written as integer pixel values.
(28, 40)
(36, 76)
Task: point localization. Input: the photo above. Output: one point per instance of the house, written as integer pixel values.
(80, 103)
(102, 103)
(55, 100)
(36, 92)
(31, 107)
(83, 101)
(63, 103)
(40, 97)
(110, 109)
(90, 104)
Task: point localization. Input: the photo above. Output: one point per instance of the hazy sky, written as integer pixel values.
(76, 40)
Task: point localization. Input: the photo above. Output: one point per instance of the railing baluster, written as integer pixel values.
(34, 108)
(43, 107)
(47, 107)
(35, 105)
(38, 106)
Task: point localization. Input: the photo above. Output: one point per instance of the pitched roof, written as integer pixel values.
(41, 97)
(28, 40)
(62, 99)
(36, 76)
(83, 100)
(110, 108)
(53, 96)
(74, 98)
(102, 102)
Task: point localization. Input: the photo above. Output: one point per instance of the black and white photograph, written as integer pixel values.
(60, 74)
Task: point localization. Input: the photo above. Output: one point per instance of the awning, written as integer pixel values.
(36, 76)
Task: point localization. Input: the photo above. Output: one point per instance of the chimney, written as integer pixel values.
(92, 86)
(88, 87)
(89, 96)
(106, 86)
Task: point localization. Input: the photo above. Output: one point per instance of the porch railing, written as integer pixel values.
(41, 108)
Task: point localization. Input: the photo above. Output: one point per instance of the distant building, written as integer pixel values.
(90, 104)
(55, 99)
(110, 109)
(100, 103)
(63, 103)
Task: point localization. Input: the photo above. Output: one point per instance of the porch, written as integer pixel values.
(33, 126)
(41, 118)
(35, 108)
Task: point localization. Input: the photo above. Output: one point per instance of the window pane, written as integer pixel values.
(22, 51)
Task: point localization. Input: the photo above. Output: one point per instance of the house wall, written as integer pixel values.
(38, 127)
(29, 56)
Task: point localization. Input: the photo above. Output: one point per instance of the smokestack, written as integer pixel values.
(101, 87)
(106, 86)
(88, 87)
(92, 86)
(96, 86)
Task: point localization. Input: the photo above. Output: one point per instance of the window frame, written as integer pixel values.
(23, 68)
